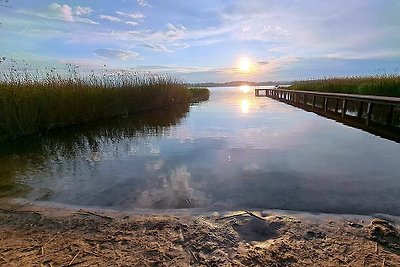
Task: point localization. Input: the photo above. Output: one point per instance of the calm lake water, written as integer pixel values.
(233, 152)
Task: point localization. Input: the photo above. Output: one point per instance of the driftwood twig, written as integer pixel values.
(72, 261)
(182, 238)
(54, 237)
(60, 249)
(231, 216)
(254, 215)
(353, 261)
(94, 214)
(246, 212)
(193, 255)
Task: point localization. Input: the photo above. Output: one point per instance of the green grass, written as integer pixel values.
(199, 94)
(33, 102)
(384, 85)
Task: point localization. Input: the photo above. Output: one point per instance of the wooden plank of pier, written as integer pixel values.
(365, 98)
(302, 99)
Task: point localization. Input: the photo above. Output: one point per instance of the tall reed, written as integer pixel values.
(199, 94)
(383, 85)
(33, 101)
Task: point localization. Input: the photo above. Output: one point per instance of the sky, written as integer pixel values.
(208, 40)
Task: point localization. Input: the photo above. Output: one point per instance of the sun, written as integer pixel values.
(244, 88)
(245, 65)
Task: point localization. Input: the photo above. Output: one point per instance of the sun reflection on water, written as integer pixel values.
(245, 106)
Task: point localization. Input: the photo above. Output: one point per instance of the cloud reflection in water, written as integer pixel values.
(174, 191)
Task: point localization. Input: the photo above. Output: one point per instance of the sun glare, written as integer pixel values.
(245, 106)
(244, 88)
(245, 65)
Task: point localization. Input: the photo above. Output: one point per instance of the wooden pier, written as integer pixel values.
(376, 114)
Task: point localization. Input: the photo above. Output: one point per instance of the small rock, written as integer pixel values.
(384, 233)
(264, 213)
(381, 222)
(355, 225)
(312, 235)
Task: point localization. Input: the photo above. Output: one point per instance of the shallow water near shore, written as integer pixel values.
(235, 151)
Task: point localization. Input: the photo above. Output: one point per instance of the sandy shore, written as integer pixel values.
(32, 235)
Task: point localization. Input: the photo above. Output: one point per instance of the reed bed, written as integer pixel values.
(35, 101)
(199, 94)
(382, 85)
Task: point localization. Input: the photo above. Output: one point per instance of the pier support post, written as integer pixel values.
(344, 107)
(360, 109)
(313, 101)
(337, 105)
(369, 113)
(390, 116)
(325, 104)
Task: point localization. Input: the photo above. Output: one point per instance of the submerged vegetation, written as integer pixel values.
(382, 85)
(199, 94)
(33, 102)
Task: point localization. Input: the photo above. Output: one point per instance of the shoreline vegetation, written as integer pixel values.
(380, 85)
(199, 94)
(34, 102)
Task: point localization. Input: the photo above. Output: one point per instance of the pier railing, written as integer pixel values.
(376, 114)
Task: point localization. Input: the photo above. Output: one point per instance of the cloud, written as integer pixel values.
(143, 3)
(171, 34)
(115, 54)
(344, 55)
(175, 32)
(357, 29)
(132, 23)
(157, 47)
(63, 12)
(262, 62)
(135, 15)
(80, 11)
(281, 37)
(110, 18)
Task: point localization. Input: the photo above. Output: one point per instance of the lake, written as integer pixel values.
(235, 151)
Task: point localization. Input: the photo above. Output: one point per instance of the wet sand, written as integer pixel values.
(32, 235)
